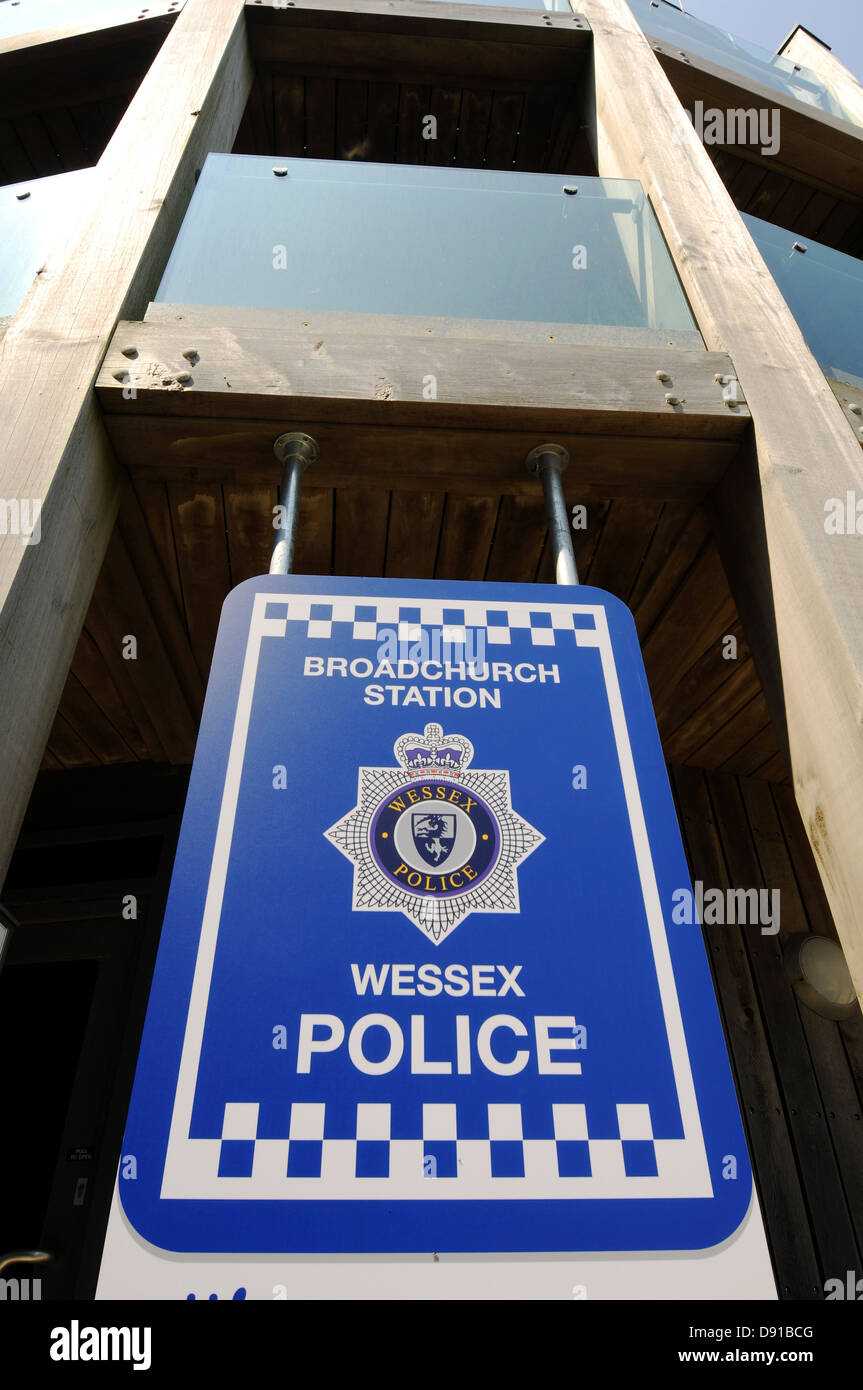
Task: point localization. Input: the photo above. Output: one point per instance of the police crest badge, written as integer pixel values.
(434, 837)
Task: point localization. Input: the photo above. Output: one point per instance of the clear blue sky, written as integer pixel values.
(838, 23)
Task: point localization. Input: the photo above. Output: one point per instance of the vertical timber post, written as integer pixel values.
(797, 588)
(803, 47)
(52, 438)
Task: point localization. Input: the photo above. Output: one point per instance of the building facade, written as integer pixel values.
(432, 236)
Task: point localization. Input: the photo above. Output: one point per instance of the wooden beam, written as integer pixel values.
(51, 435)
(415, 41)
(361, 368)
(335, 366)
(814, 145)
(436, 18)
(804, 48)
(96, 32)
(359, 382)
(414, 458)
(810, 582)
(72, 74)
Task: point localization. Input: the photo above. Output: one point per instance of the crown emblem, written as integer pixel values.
(431, 752)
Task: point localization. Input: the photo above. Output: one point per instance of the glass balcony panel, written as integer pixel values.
(34, 217)
(409, 240)
(665, 23)
(824, 290)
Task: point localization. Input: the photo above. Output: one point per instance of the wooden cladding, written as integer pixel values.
(504, 125)
(788, 201)
(180, 546)
(62, 100)
(799, 1077)
(506, 86)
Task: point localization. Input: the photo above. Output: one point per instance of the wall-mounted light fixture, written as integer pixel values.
(820, 975)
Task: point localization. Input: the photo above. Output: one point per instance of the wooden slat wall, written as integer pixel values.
(798, 205)
(54, 142)
(61, 102)
(799, 1076)
(179, 548)
(811, 184)
(504, 125)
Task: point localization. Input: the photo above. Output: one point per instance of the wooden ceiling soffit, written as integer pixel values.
(53, 67)
(418, 40)
(813, 146)
(203, 399)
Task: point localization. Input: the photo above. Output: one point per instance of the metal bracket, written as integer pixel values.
(533, 462)
(732, 391)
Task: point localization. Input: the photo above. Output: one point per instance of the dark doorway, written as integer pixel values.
(44, 1008)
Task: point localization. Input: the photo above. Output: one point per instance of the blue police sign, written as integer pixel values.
(420, 987)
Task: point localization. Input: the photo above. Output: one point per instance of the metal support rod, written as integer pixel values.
(295, 451)
(547, 462)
